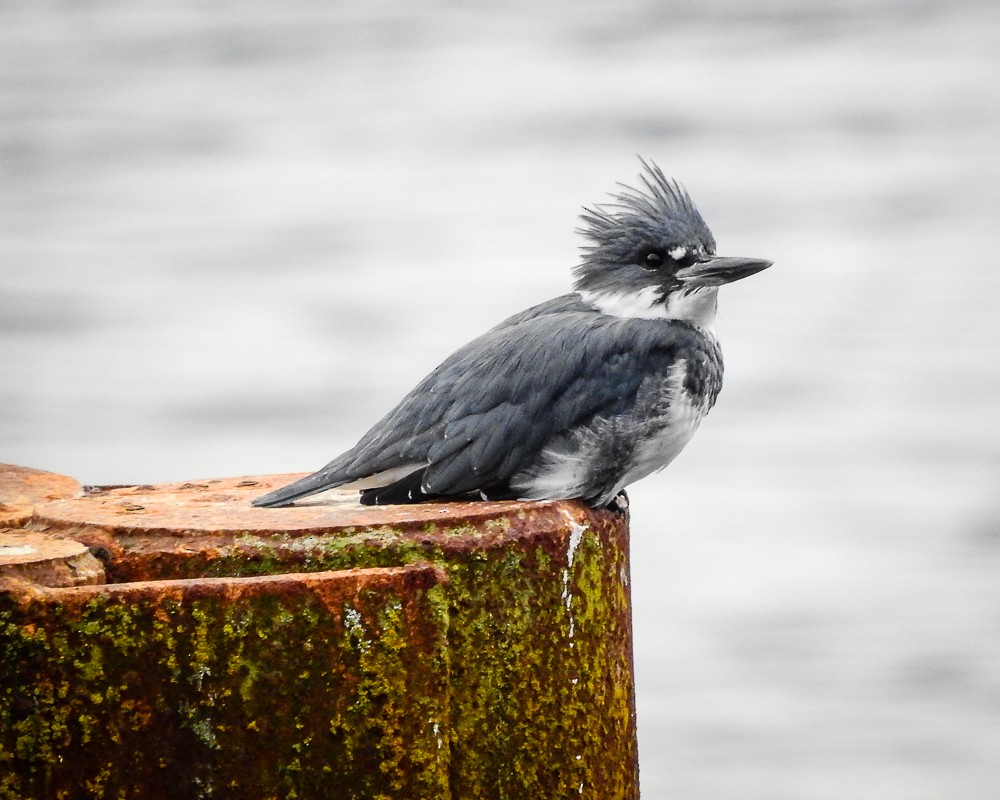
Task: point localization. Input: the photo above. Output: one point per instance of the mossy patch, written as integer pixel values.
(245, 694)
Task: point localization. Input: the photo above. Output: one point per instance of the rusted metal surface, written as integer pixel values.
(222, 506)
(47, 561)
(333, 684)
(21, 488)
(209, 528)
(535, 610)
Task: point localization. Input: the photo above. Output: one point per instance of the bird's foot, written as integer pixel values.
(620, 503)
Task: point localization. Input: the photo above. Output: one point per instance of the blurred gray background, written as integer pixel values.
(232, 235)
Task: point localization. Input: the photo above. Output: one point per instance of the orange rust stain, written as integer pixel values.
(22, 488)
(222, 506)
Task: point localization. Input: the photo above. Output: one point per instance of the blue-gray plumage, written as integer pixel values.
(577, 397)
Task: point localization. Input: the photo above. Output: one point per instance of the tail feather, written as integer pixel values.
(332, 476)
(313, 484)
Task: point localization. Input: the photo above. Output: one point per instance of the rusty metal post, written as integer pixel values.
(461, 650)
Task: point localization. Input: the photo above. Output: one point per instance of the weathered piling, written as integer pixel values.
(462, 650)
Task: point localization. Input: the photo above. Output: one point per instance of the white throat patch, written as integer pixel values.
(696, 306)
(643, 304)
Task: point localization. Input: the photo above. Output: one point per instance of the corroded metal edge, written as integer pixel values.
(46, 560)
(22, 488)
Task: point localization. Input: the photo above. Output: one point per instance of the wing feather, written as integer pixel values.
(489, 409)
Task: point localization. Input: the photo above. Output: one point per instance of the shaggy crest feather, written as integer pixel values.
(663, 200)
(659, 215)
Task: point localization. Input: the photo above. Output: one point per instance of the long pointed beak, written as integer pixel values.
(719, 270)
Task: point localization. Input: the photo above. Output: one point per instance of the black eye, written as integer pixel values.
(652, 260)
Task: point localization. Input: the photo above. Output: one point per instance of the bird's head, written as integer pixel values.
(650, 255)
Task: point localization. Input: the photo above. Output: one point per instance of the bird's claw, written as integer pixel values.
(620, 503)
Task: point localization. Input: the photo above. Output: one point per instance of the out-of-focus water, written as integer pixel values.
(231, 237)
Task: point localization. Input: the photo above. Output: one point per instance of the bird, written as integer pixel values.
(572, 399)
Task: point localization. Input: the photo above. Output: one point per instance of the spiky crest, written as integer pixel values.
(662, 202)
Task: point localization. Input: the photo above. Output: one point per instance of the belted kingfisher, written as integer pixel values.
(577, 397)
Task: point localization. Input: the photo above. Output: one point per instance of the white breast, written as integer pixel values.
(582, 464)
(677, 427)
